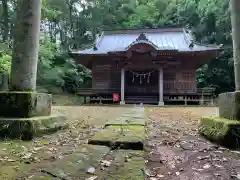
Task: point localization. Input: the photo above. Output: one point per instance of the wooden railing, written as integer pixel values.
(197, 91)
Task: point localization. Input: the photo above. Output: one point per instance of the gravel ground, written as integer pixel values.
(177, 152)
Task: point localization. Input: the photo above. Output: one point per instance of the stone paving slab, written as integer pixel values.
(75, 166)
(127, 120)
(125, 165)
(125, 137)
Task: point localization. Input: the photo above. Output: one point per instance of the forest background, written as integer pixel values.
(74, 23)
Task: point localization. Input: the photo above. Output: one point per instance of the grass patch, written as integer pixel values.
(66, 99)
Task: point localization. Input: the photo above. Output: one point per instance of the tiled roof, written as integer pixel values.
(161, 39)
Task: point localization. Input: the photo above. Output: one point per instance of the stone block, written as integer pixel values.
(27, 128)
(220, 130)
(123, 137)
(125, 165)
(76, 165)
(25, 104)
(126, 120)
(229, 105)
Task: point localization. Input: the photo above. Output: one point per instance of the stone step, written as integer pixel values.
(123, 137)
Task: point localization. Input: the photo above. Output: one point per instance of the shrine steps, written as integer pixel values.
(141, 99)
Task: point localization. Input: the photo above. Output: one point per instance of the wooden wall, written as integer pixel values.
(106, 75)
(179, 79)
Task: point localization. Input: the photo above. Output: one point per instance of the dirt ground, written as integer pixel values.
(21, 160)
(175, 151)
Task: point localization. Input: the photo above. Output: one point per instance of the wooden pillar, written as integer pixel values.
(202, 99)
(185, 99)
(122, 86)
(160, 83)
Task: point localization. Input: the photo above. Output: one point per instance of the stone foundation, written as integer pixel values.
(25, 104)
(223, 131)
(27, 128)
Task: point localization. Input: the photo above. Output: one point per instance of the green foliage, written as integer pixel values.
(57, 69)
(5, 63)
(75, 23)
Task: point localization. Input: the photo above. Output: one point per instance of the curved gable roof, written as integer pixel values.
(161, 39)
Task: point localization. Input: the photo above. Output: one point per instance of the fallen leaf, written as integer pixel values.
(160, 176)
(11, 160)
(218, 166)
(92, 178)
(149, 173)
(236, 176)
(91, 170)
(206, 166)
(153, 178)
(106, 163)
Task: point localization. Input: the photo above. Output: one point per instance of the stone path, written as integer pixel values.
(125, 137)
(114, 153)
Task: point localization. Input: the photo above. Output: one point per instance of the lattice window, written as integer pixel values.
(186, 76)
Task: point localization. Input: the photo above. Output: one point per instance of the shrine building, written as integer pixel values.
(152, 66)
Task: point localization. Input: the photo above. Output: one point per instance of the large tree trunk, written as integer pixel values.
(5, 20)
(26, 46)
(235, 19)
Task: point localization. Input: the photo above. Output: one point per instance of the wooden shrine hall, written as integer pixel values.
(150, 66)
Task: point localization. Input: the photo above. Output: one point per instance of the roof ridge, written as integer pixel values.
(198, 43)
(164, 27)
(143, 30)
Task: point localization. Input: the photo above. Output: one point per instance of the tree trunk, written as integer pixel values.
(5, 20)
(26, 46)
(235, 14)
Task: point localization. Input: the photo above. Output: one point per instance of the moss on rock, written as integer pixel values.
(25, 104)
(126, 120)
(125, 137)
(27, 128)
(223, 131)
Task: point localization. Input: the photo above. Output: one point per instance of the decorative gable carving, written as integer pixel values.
(142, 37)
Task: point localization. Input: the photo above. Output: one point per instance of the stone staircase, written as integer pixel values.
(141, 99)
